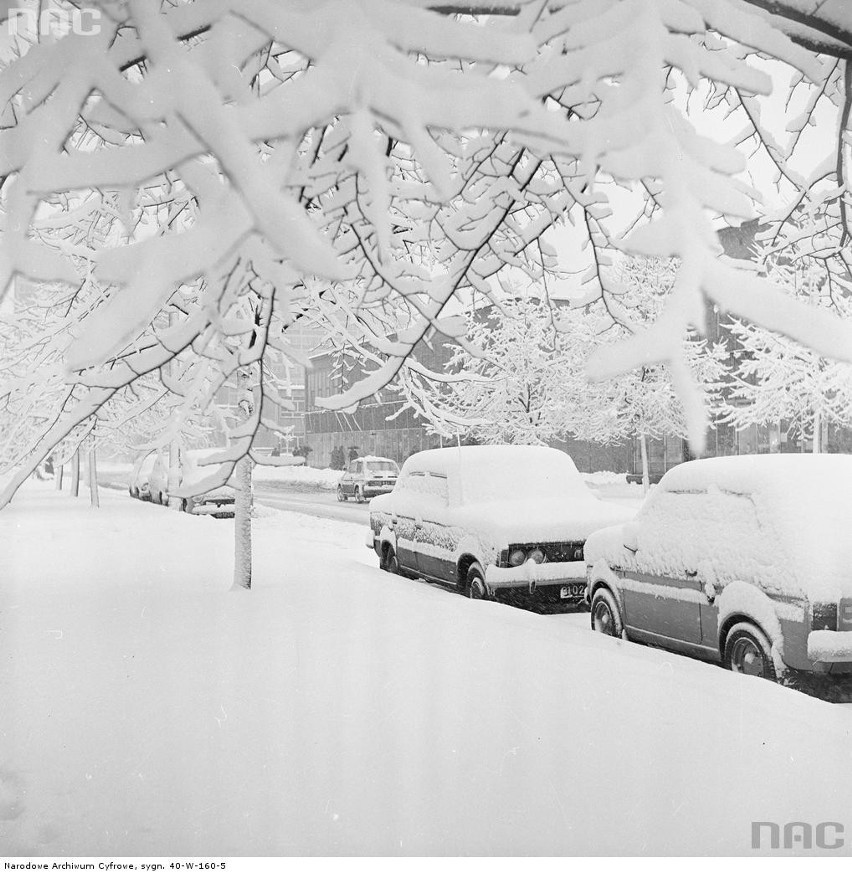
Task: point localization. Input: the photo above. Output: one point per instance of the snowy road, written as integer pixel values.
(323, 505)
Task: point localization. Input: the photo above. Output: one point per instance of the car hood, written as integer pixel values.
(541, 521)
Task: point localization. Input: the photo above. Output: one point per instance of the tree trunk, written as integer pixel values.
(242, 524)
(174, 475)
(817, 441)
(75, 474)
(93, 478)
(646, 477)
(58, 471)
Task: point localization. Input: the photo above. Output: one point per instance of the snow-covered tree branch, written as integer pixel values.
(190, 160)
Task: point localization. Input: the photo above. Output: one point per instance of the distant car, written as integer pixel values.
(139, 485)
(489, 520)
(367, 477)
(744, 561)
(215, 502)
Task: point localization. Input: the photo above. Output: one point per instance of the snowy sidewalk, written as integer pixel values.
(335, 709)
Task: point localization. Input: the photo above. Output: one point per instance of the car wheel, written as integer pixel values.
(748, 651)
(340, 495)
(390, 563)
(358, 496)
(475, 583)
(606, 617)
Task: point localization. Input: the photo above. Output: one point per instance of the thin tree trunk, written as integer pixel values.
(817, 441)
(58, 472)
(242, 524)
(75, 474)
(93, 478)
(174, 475)
(646, 477)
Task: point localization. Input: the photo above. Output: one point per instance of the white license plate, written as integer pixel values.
(571, 591)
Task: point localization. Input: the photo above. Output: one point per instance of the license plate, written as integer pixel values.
(572, 591)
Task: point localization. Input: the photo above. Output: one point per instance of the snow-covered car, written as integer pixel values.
(215, 502)
(139, 484)
(487, 519)
(744, 561)
(367, 477)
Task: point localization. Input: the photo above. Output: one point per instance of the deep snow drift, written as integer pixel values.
(335, 709)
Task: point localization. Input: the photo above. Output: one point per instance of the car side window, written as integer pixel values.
(709, 533)
(428, 485)
(410, 482)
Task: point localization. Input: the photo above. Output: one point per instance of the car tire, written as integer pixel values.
(390, 563)
(340, 495)
(474, 584)
(605, 614)
(748, 651)
(359, 498)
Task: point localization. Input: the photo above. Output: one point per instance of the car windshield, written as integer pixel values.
(381, 467)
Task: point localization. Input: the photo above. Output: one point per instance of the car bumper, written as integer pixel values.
(372, 491)
(532, 577)
(830, 647)
(219, 506)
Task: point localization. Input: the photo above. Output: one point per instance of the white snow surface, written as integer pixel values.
(781, 522)
(493, 473)
(320, 478)
(336, 709)
(502, 494)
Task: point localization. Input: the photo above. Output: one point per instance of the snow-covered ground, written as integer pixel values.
(335, 709)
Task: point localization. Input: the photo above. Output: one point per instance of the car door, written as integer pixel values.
(663, 609)
(433, 538)
(405, 508)
(662, 593)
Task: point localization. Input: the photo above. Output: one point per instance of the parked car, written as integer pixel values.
(367, 477)
(140, 477)
(744, 561)
(154, 476)
(490, 520)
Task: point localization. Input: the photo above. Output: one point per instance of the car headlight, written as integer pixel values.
(517, 557)
(536, 555)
